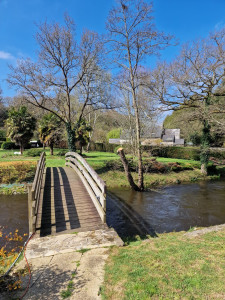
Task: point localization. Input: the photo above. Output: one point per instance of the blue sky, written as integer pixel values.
(186, 19)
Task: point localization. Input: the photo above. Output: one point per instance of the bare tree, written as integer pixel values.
(133, 37)
(92, 118)
(195, 79)
(61, 68)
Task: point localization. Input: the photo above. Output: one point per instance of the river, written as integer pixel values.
(179, 207)
(172, 208)
(13, 213)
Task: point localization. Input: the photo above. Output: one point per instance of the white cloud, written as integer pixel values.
(6, 55)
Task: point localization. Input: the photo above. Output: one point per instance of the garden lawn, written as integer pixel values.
(170, 266)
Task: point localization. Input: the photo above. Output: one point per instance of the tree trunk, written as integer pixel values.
(51, 148)
(205, 142)
(88, 146)
(138, 140)
(21, 148)
(127, 170)
(204, 169)
(71, 137)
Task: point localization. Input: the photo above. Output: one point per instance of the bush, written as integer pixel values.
(2, 135)
(9, 146)
(17, 171)
(196, 138)
(113, 134)
(174, 152)
(62, 152)
(216, 153)
(33, 152)
(116, 149)
(149, 166)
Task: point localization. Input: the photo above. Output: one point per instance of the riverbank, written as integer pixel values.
(13, 189)
(189, 170)
(171, 266)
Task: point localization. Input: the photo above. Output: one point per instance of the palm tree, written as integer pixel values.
(20, 126)
(49, 130)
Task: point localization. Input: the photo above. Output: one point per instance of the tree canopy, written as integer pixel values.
(20, 126)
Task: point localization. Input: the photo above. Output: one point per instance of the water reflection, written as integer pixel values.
(14, 213)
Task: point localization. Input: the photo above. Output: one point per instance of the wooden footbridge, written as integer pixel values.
(66, 199)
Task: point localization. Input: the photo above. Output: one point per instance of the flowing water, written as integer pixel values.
(172, 208)
(179, 207)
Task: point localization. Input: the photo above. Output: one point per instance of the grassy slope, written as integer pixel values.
(171, 266)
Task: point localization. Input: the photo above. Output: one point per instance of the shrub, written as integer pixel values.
(149, 166)
(118, 166)
(116, 149)
(196, 138)
(190, 153)
(62, 152)
(174, 152)
(10, 246)
(17, 171)
(113, 134)
(2, 135)
(33, 152)
(8, 146)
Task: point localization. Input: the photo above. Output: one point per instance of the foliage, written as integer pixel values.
(20, 126)
(182, 119)
(13, 189)
(82, 129)
(113, 134)
(62, 152)
(149, 166)
(8, 145)
(33, 152)
(2, 135)
(49, 130)
(116, 149)
(196, 138)
(63, 68)
(8, 253)
(17, 171)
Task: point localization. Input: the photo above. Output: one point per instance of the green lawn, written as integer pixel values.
(171, 266)
(117, 178)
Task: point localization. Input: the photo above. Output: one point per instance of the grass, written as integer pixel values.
(168, 267)
(115, 179)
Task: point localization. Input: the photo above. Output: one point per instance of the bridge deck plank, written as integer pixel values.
(66, 204)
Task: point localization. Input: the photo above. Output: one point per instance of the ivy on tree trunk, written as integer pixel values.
(205, 144)
(70, 137)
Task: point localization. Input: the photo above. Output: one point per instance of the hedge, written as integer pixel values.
(190, 153)
(9, 146)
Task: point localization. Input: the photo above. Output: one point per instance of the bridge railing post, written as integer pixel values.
(30, 208)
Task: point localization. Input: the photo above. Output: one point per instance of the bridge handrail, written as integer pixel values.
(95, 186)
(34, 193)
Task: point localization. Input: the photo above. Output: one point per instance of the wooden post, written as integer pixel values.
(30, 208)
